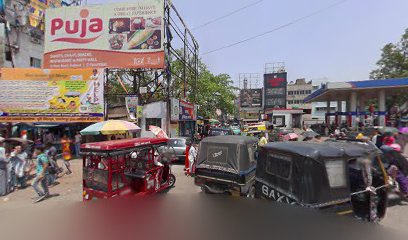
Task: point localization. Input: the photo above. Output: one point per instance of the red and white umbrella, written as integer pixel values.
(158, 132)
(290, 136)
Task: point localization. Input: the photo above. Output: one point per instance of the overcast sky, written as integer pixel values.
(342, 43)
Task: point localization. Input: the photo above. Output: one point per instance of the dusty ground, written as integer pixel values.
(70, 191)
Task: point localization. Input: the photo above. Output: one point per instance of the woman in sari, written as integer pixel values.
(66, 152)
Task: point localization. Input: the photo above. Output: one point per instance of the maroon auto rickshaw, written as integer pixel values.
(127, 166)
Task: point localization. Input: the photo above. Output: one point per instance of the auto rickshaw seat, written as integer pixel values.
(136, 174)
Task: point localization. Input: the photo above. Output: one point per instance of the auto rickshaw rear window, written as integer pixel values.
(279, 165)
(336, 173)
(252, 152)
(217, 154)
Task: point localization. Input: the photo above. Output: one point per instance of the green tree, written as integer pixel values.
(209, 91)
(394, 64)
(394, 60)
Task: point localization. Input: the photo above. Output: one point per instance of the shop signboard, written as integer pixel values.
(175, 109)
(250, 98)
(139, 111)
(131, 106)
(275, 88)
(117, 35)
(186, 111)
(37, 11)
(58, 95)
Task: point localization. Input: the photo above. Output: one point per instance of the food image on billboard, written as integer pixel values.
(275, 85)
(57, 95)
(251, 98)
(119, 35)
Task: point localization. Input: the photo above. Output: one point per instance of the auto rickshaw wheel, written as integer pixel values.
(172, 180)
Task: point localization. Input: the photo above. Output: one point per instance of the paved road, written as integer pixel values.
(70, 191)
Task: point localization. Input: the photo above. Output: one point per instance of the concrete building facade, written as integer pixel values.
(25, 43)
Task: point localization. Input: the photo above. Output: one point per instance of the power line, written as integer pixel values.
(279, 27)
(227, 15)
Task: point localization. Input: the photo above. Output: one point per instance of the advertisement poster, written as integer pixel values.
(118, 35)
(174, 130)
(43, 95)
(131, 106)
(175, 109)
(139, 111)
(275, 85)
(186, 111)
(251, 98)
(37, 11)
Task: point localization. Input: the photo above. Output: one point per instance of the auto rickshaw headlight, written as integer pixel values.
(336, 173)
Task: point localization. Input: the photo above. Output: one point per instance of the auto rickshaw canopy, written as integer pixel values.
(233, 154)
(119, 146)
(311, 174)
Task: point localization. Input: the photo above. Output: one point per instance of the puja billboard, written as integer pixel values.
(117, 35)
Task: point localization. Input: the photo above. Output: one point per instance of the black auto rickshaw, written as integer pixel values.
(226, 164)
(322, 175)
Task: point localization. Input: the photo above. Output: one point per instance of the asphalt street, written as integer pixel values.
(70, 193)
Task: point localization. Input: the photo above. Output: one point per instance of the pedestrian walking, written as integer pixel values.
(2, 150)
(49, 138)
(192, 155)
(78, 140)
(53, 168)
(19, 160)
(41, 174)
(66, 152)
(263, 140)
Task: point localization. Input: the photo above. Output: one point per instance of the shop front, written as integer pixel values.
(290, 118)
(154, 114)
(41, 102)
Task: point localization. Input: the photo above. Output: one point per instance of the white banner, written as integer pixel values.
(131, 106)
(175, 109)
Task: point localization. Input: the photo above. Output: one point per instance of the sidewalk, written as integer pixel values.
(70, 189)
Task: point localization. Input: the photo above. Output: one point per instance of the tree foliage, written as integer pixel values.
(209, 91)
(394, 64)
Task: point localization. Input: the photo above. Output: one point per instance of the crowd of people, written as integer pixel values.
(38, 163)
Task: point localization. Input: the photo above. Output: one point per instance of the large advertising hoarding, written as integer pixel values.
(186, 111)
(275, 85)
(251, 98)
(43, 95)
(119, 35)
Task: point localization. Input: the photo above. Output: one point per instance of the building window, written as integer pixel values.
(153, 122)
(35, 62)
(290, 102)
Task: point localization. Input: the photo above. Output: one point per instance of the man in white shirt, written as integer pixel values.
(192, 155)
(19, 159)
(2, 150)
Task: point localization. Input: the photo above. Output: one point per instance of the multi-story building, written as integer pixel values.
(297, 92)
(24, 38)
(24, 42)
